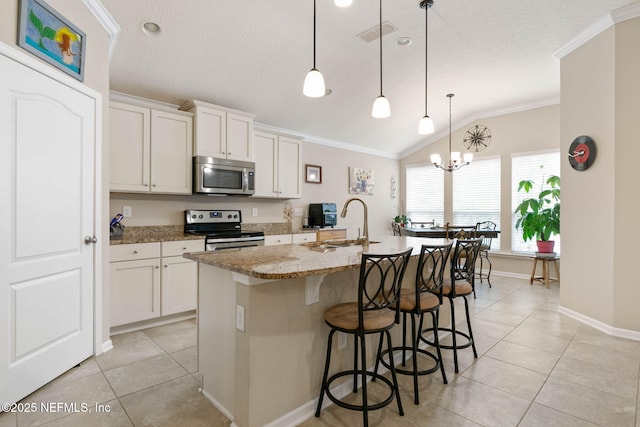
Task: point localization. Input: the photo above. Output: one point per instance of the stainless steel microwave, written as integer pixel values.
(223, 177)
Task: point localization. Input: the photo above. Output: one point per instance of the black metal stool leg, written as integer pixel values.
(473, 344)
(323, 387)
(436, 340)
(453, 335)
(365, 404)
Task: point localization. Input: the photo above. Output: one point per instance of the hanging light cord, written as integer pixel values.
(450, 96)
(314, 34)
(426, 50)
(380, 47)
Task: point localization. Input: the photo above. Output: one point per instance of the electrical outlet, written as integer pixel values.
(342, 340)
(240, 318)
(126, 211)
(254, 212)
(298, 212)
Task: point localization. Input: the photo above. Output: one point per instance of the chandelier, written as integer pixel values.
(455, 162)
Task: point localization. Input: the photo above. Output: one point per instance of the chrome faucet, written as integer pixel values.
(365, 230)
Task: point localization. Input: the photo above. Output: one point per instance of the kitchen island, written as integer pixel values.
(261, 335)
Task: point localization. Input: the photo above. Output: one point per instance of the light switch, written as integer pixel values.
(126, 211)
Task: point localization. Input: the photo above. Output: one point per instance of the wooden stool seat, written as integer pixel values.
(545, 279)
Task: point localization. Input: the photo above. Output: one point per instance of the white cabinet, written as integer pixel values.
(303, 237)
(150, 149)
(277, 239)
(149, 280)
(221, 132)
(135, 282)
(278, 166)
(179, 276)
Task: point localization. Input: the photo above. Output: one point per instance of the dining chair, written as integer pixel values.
(376, 312)
(423, 224)
(460, 285)
(424, 297)
(396, 228)
(485, 247)
(459, 231)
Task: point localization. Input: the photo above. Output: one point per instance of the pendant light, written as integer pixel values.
(343, 3)
(454, 156)
(314, 82)
(381, 108)
(425, 127)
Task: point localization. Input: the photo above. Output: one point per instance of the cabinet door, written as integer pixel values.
(266, 150)
(135, 290)
(239, 137)
(211, 133)
(179, 285)
(129, 147)
(289, 168)
(171, 148)
(304, 238)
(277, 239)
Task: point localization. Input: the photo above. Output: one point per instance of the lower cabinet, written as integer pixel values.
(285, 239)
(150, 280)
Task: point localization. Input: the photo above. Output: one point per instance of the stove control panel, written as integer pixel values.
(194, 216)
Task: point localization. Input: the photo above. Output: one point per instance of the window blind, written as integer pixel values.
(425, 193)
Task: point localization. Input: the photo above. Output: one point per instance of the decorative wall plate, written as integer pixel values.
(582, 153)
(477, 138)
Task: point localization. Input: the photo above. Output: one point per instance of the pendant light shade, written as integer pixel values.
(314, 82)
(425, 127)
(381, 108)
(343, 3)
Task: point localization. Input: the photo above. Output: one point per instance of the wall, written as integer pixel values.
(335, 163)
(96, 76)
(532, 130)
(600, 99)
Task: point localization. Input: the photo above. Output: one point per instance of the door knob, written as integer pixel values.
(90, 239)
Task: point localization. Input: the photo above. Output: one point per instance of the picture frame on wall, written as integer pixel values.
(47, 34)
(361, 181)
(313, 174)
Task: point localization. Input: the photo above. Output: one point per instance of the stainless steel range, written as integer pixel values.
(222, 229)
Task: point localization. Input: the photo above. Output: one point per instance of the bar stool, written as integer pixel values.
(424, 297)
(378, 290)
(461, 284)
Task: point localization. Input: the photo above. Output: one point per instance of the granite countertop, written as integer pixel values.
(298, 260)
(166, 233)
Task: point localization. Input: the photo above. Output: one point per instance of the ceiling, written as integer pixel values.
(250, 55)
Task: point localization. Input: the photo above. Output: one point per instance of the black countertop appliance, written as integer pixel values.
(323, 215)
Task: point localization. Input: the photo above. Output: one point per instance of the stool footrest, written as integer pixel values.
(374, 376)
(410, 350)
(468, 341)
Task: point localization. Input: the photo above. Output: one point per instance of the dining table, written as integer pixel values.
(441, 232)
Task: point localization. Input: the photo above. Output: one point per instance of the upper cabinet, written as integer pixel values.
(150, 149)
(221, 132)
(278, 166)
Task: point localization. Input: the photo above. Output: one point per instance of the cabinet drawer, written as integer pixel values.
(277, 239)
(134, 251)
(180, 247)
(304, 237)
(332, 234)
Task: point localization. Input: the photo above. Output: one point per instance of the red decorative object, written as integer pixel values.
(545, 247)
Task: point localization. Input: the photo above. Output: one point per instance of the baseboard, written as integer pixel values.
(158, 321)
(219, 406)
(106, 346)
(607, 329)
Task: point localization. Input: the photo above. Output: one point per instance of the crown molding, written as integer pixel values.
(614, 17)
(106, 20)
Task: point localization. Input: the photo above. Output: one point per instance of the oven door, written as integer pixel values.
(219, 176)
(216, 244)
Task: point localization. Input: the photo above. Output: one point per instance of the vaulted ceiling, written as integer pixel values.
(494, 55)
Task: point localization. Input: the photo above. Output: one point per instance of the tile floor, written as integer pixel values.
(535, 368)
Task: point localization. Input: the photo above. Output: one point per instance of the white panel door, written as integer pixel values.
(47, 183)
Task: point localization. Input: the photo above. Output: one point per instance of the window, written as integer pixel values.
(527, 166)
(476, 194)
(425, 193)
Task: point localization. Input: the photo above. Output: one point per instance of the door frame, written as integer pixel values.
(14, 54)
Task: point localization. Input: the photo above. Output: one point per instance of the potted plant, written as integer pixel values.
(402, 220)
(539, 217)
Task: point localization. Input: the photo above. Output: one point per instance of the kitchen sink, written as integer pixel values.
(326, 245)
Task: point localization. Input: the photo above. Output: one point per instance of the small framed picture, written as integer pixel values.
(51, 37)
(314, 174)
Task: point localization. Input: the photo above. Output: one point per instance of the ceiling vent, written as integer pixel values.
(373, 33)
